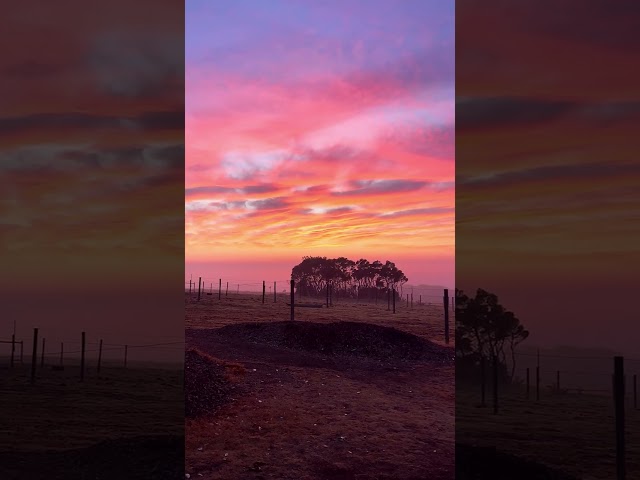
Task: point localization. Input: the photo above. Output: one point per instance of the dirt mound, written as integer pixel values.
(480, 463)
(340, 338)
(158, 457)
(207, 384)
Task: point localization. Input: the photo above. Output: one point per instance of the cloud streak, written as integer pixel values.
(315, 125)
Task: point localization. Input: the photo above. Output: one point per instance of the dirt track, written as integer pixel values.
(300, 414)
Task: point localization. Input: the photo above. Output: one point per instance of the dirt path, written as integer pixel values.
(302, 415)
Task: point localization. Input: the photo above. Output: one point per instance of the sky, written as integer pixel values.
(547, 171)
(92, 172)
(319, 128)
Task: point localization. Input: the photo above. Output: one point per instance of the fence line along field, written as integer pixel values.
(577, 405)
(348, 390)
(72, 412)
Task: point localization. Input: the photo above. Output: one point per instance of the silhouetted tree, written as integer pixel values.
(347, 277)
(484, 328)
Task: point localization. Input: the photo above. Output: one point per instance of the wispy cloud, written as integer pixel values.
(307, 124)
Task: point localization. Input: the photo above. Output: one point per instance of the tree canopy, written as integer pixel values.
(346, 277)
(485, 329)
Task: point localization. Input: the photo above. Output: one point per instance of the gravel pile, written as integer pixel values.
(340, 338)
(205, 385)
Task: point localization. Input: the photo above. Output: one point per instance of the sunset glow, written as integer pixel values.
(319, 129)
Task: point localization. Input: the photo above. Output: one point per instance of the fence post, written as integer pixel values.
(527, 383)
(82, 357)
(482, 380)
(226, 292)
(220, 289)
(538, 378)
(13, 347)
(199, 287)
(495, 384)
(189, 289)
(292, 298)
(618, 365)
(327, 294)
(126, 350)
(264, 290)
(42, 353)
(61, 353)
(393, 295)
(99, 356)
(446, 315)
(407, 300)
(34, 355)
(420, 301)
(274, 292)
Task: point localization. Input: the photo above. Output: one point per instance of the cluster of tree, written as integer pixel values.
(486, 330)
(361, 279)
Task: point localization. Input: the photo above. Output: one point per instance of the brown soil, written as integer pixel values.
(208, 385)
(324, 400)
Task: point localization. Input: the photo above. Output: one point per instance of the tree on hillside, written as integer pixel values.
(347, 278)
(485, 329)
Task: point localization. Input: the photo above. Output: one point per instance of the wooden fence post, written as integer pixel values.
(292, 298)
(13, 348)
(199, 287)
(126, 351)
(407, 300)
(34, 355)
(226, 292)
(264, 290)
(618, 395)
(99, 356)
(220, 289)
(393, 298)
(274, 292)
(82, 357)
(495, 384)
(42, 353)
(446, 315)
(483, 380)
(189, 289)
(420, 300)
(327, 294)
(538, 378)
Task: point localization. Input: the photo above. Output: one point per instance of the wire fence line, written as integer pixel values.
(232, 288)
(38, 354)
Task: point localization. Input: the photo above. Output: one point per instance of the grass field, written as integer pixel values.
(59, 417)
(303, 414)
(569, 432)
